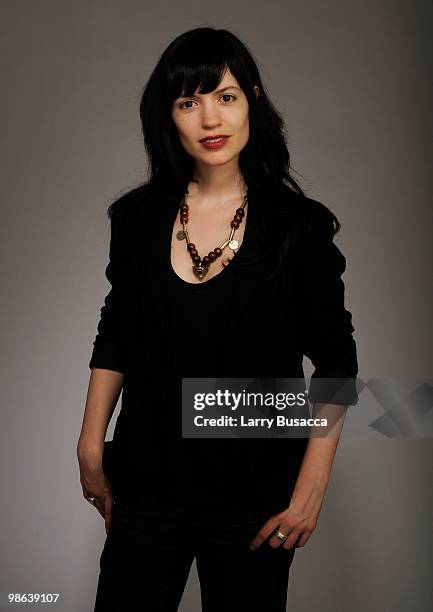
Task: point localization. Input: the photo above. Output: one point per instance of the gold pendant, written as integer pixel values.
(200, 270)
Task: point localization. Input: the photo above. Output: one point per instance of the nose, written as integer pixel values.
(210, 117)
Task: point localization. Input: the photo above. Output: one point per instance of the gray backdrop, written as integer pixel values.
(352, 80)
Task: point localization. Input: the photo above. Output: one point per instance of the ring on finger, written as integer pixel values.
(281, 536)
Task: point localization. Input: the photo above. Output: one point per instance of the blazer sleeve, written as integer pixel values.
(327, 329)
(108, 350)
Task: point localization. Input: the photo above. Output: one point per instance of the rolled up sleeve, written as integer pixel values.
(327, 329)
(108, 351)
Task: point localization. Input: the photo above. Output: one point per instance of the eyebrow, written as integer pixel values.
(228, 87)
(215, 92)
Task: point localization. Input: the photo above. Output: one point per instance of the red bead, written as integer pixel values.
(184, 207)
(196, 258)
(234, 223)
(205, 261)
(238, 218)
(193, 252)
(240, 211)
(191, 246)
(212, 256)
(217, 251)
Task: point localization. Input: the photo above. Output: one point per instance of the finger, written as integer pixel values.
(108, 504)
(97, 503)
(88, 495)
(274, 541)
(107, 524)
(108, 509)
(303, 539)
(102, 504)
(264, 532)
(292, 539)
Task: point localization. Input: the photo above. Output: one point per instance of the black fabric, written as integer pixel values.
(198, 316)
(150, 547)
(271, 321)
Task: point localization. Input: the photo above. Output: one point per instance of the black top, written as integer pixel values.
(197, 317)
(271, 323)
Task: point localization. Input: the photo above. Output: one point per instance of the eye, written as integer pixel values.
(185, 102)
(182, 104)
(230, 96)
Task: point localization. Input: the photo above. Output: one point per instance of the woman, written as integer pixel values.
(251, 283)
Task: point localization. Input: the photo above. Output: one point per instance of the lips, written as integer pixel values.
(213, 137)
(218, 143)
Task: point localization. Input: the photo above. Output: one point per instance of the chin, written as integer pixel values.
(220, 161)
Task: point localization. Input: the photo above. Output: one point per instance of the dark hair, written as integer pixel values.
(197, 60)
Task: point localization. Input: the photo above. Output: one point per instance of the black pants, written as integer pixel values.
(151, 544)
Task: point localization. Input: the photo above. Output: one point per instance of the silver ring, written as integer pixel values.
(281, 536)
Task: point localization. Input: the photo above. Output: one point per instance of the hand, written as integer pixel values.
(298, 522)
(95, 484)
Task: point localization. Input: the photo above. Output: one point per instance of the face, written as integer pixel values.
(222, 112)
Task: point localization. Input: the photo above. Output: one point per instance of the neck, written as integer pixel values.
(216, 183)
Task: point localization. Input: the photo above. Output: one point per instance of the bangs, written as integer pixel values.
(196, 62)
(199, 66)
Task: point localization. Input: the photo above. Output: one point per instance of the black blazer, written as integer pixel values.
(275, 321)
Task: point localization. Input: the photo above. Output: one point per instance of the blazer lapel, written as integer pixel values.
(155, 224)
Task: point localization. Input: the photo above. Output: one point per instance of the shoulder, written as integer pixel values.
(306, 217)
(125, 207)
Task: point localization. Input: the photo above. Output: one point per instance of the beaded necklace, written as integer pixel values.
(201, 265)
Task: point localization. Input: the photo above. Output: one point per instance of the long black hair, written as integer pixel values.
(198, 59)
